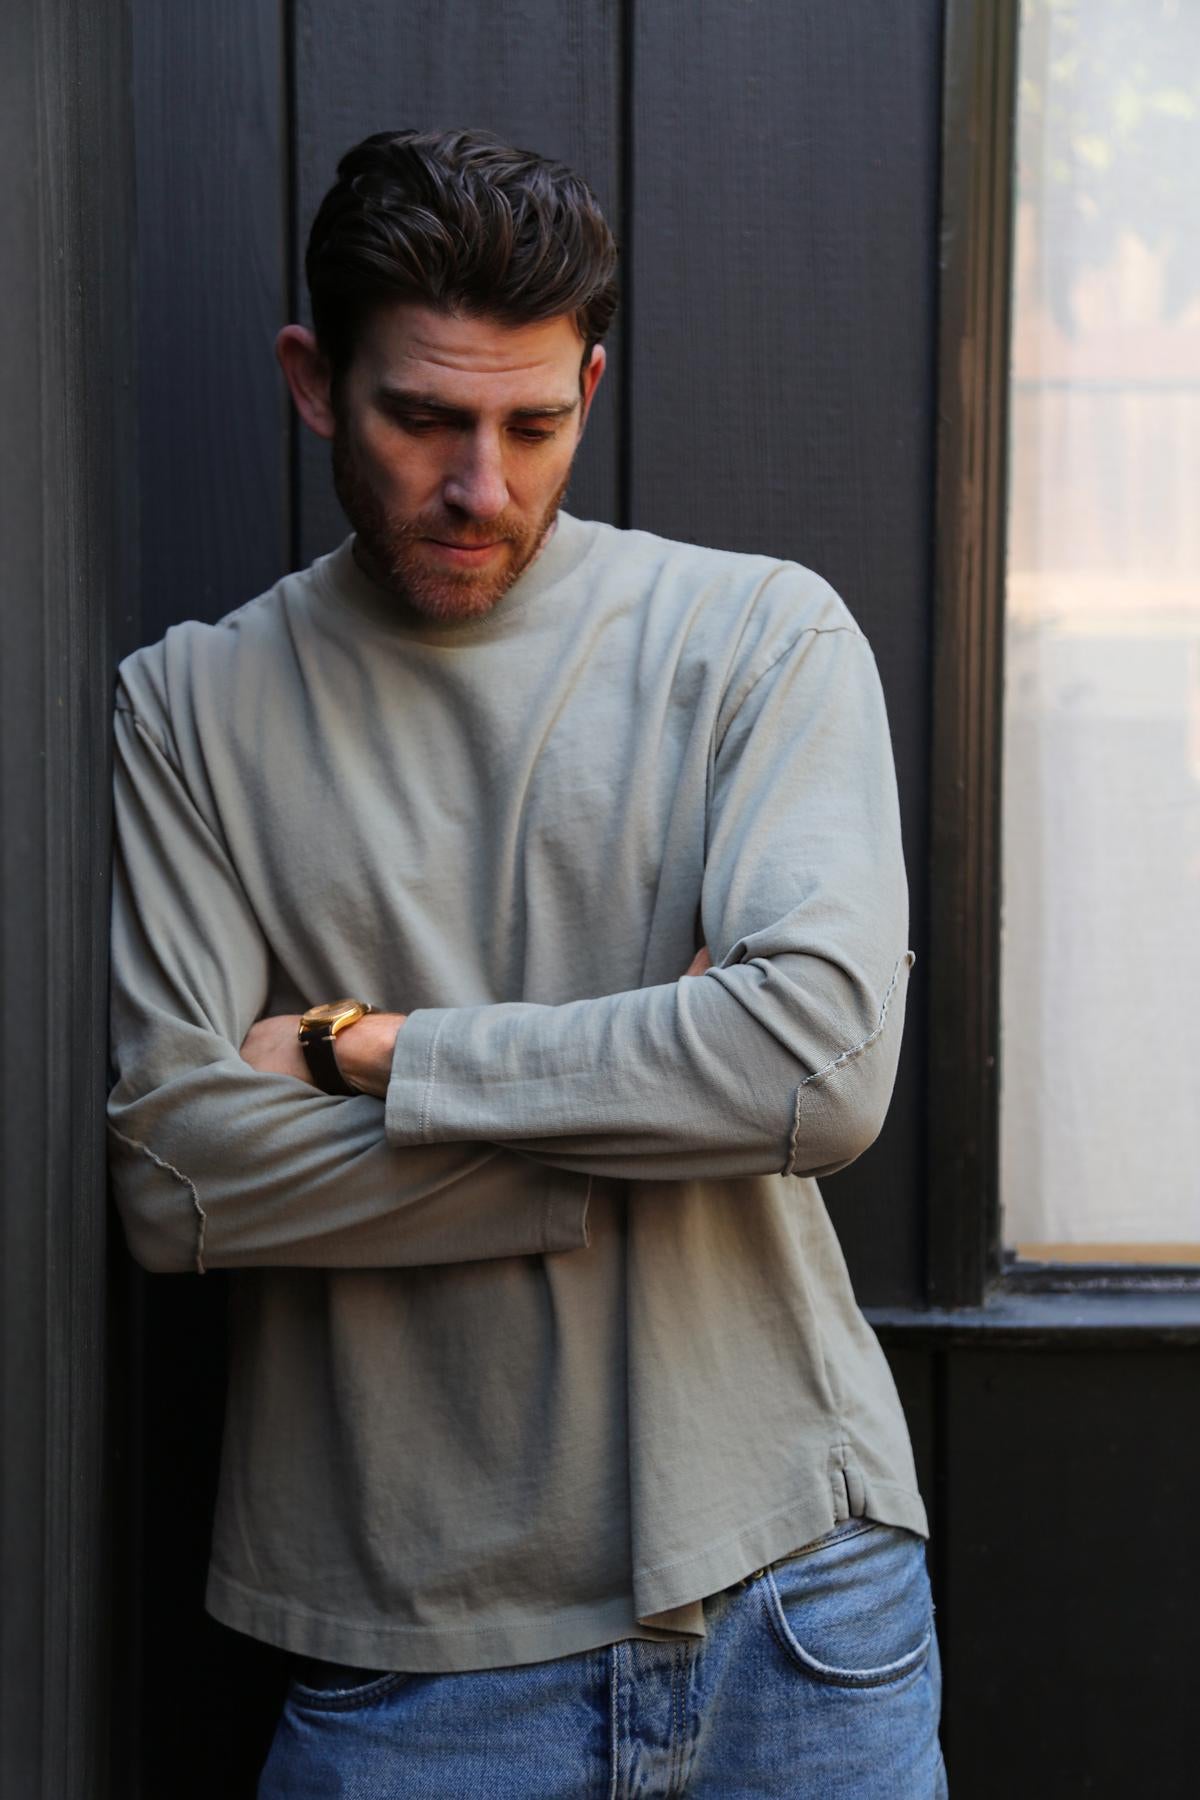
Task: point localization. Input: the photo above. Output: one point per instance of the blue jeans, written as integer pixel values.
(819, 1677)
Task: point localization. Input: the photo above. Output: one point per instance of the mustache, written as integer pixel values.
(447, 533)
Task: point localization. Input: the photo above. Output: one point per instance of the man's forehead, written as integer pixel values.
(419, 346)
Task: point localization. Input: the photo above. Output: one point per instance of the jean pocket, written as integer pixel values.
(339, 1687)
(854, 1609)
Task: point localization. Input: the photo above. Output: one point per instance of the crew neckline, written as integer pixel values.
(343, 581)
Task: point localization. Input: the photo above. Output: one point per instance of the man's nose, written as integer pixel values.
(477, 483)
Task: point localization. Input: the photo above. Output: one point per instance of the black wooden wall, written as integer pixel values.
(67, 527)
(773, 173)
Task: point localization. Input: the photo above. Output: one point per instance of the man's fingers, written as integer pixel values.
(701, 961)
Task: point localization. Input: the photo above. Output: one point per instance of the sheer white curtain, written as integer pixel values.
(1100, 1035)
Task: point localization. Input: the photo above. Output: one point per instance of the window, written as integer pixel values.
(1099, 1006)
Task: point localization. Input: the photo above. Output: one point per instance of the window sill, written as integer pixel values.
(1068, 1319)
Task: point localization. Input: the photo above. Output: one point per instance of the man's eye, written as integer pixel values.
(418, 425)
(530, 435)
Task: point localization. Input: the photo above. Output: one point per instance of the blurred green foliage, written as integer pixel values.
(1109, 122)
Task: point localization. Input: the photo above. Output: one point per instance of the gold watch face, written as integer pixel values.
(334, 1014)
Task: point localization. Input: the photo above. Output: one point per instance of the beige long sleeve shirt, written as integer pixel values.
(558, 1339)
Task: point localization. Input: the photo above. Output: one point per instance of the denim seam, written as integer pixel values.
(347, 1699)
(673, 1727)
(828, 1673)
(626, 1711)
(614, 1720)
(678, 1716)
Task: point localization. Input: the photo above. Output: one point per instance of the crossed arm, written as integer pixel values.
(364, 1051)
(478, 1128)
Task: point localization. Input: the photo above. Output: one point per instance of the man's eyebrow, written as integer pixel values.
(428, 403)
(561, 411)
(417, 402)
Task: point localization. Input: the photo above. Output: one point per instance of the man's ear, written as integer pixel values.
(590, 381)
(307, 374)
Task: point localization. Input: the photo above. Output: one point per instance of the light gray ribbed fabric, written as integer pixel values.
(559, 1339)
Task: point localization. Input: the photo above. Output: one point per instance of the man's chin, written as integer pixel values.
(452, 594)
(419, 574)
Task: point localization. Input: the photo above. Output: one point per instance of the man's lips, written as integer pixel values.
(463, 553)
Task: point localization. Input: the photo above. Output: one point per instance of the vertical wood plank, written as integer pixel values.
(968, 638)
(211, 149)
(545, 75)
(783, 252)
(67, 522)
(209, 90)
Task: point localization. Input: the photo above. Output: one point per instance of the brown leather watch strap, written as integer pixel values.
(322, 1063)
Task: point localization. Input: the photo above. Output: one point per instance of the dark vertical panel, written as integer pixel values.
(784, 255)
(918, 1374)
(1073, 1568)
(979, 132)
(212, 293)
(233, 1684)
(544, 74)
(67, 525)
(913, 1372)
(212, 184)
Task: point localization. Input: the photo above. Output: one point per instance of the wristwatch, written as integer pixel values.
(318, 1028)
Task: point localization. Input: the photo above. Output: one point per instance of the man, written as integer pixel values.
(557, 1451)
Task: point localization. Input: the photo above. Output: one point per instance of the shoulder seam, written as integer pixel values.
(141, 726)
(229, 617)
(805, 631)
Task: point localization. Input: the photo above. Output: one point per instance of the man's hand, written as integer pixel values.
(363, 1051)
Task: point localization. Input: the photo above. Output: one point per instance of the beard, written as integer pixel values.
(390, 548)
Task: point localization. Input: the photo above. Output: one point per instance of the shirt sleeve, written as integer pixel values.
(217, 1165)
(780, 1059)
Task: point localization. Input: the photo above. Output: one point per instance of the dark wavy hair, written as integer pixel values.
(462, 222)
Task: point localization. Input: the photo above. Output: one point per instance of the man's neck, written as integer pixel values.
(549, 533)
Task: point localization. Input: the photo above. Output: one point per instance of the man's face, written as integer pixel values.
(452, 450)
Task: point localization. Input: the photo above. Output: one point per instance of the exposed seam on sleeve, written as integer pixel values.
(162, 1163)
(804, 632)
(843, 1057)
(430, 1072)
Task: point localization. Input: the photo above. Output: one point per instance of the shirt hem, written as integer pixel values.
(800, 1521)
(665, 1598)
(420, 1650)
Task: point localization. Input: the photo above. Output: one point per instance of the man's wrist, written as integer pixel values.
(365, 1049)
